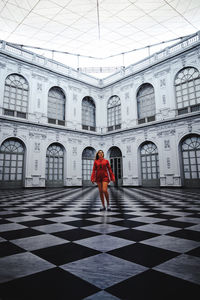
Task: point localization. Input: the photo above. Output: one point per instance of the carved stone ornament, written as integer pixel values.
(190, 127)
(37, 147)
(75, 97)
(167, 144)
(39, 86)
(166, 132)
(162, 82)
(74, 150)
(15, 131)
(128, 149)
(145, 134)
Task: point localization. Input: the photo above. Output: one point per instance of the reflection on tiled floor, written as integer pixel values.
(56, 244)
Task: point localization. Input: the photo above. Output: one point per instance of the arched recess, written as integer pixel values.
(88, 114)
(190, 160)
(150, 174)
(146, 103)
(116, 164)
(12, 157)
(56, 106)
(88, 157)
(114, 113)
(55, 165)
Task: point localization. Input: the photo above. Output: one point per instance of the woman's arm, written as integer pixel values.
(93, 176)
(112, 176)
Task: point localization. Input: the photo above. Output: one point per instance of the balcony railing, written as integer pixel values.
(168, 52)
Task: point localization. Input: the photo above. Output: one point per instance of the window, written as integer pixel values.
(88, 114)
(15, 102)
(187, 89)
(56, 106)
(146, 103)
(114, 113)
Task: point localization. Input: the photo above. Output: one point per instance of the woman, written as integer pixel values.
(99, 175)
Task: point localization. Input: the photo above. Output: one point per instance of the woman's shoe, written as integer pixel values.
(102, 208)
(109, 208)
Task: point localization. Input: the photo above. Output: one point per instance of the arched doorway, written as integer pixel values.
(88, 157)
(116, 164)
(12, 163)
(190, 152)
(55, 166)
(149, 165)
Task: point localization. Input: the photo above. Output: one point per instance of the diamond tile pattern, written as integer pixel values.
(56, 244)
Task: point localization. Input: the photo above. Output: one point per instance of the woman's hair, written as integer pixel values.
(97, 154)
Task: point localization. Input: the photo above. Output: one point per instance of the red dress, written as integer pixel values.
(100, 171)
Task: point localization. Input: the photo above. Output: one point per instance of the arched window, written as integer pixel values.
(146, 103)
(56, 106)
(114, 113)
(88, 114)
(190, 149)
(15, 102)
(187, 89)
(150, 164)
(88, 156)
(54, 165)
(11, 163)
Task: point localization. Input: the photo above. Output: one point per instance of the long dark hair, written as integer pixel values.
(97, 154)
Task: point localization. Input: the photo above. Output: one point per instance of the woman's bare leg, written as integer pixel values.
(100, 186)
(105, 191)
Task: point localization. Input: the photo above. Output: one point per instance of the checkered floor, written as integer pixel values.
(56, 244)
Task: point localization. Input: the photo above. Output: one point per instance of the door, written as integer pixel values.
(54, 166)
(12, 163)
(150, 165)
(116, 165)
(190, 149)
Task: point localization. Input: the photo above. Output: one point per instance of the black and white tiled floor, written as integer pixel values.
(56, 244)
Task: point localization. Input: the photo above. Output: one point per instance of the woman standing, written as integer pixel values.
(100, 171)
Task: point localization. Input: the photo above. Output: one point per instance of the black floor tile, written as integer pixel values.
(195, 252)
(81, 223)
(4, 222)
(176, 224)
(153, 285)
(46, 216)
(128, 223)
(62, 254)
(144, 255)
(187, 234)
(36, 223)
(165, 216)
(85, 216)
(124, 216)
(14, 215)
(75, 234)
(134, 235)
(19, 234)
(7, 248)
(48, 285)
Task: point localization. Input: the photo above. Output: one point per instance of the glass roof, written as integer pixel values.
(98, 28)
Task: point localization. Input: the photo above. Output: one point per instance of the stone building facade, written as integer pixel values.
(146, 119)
